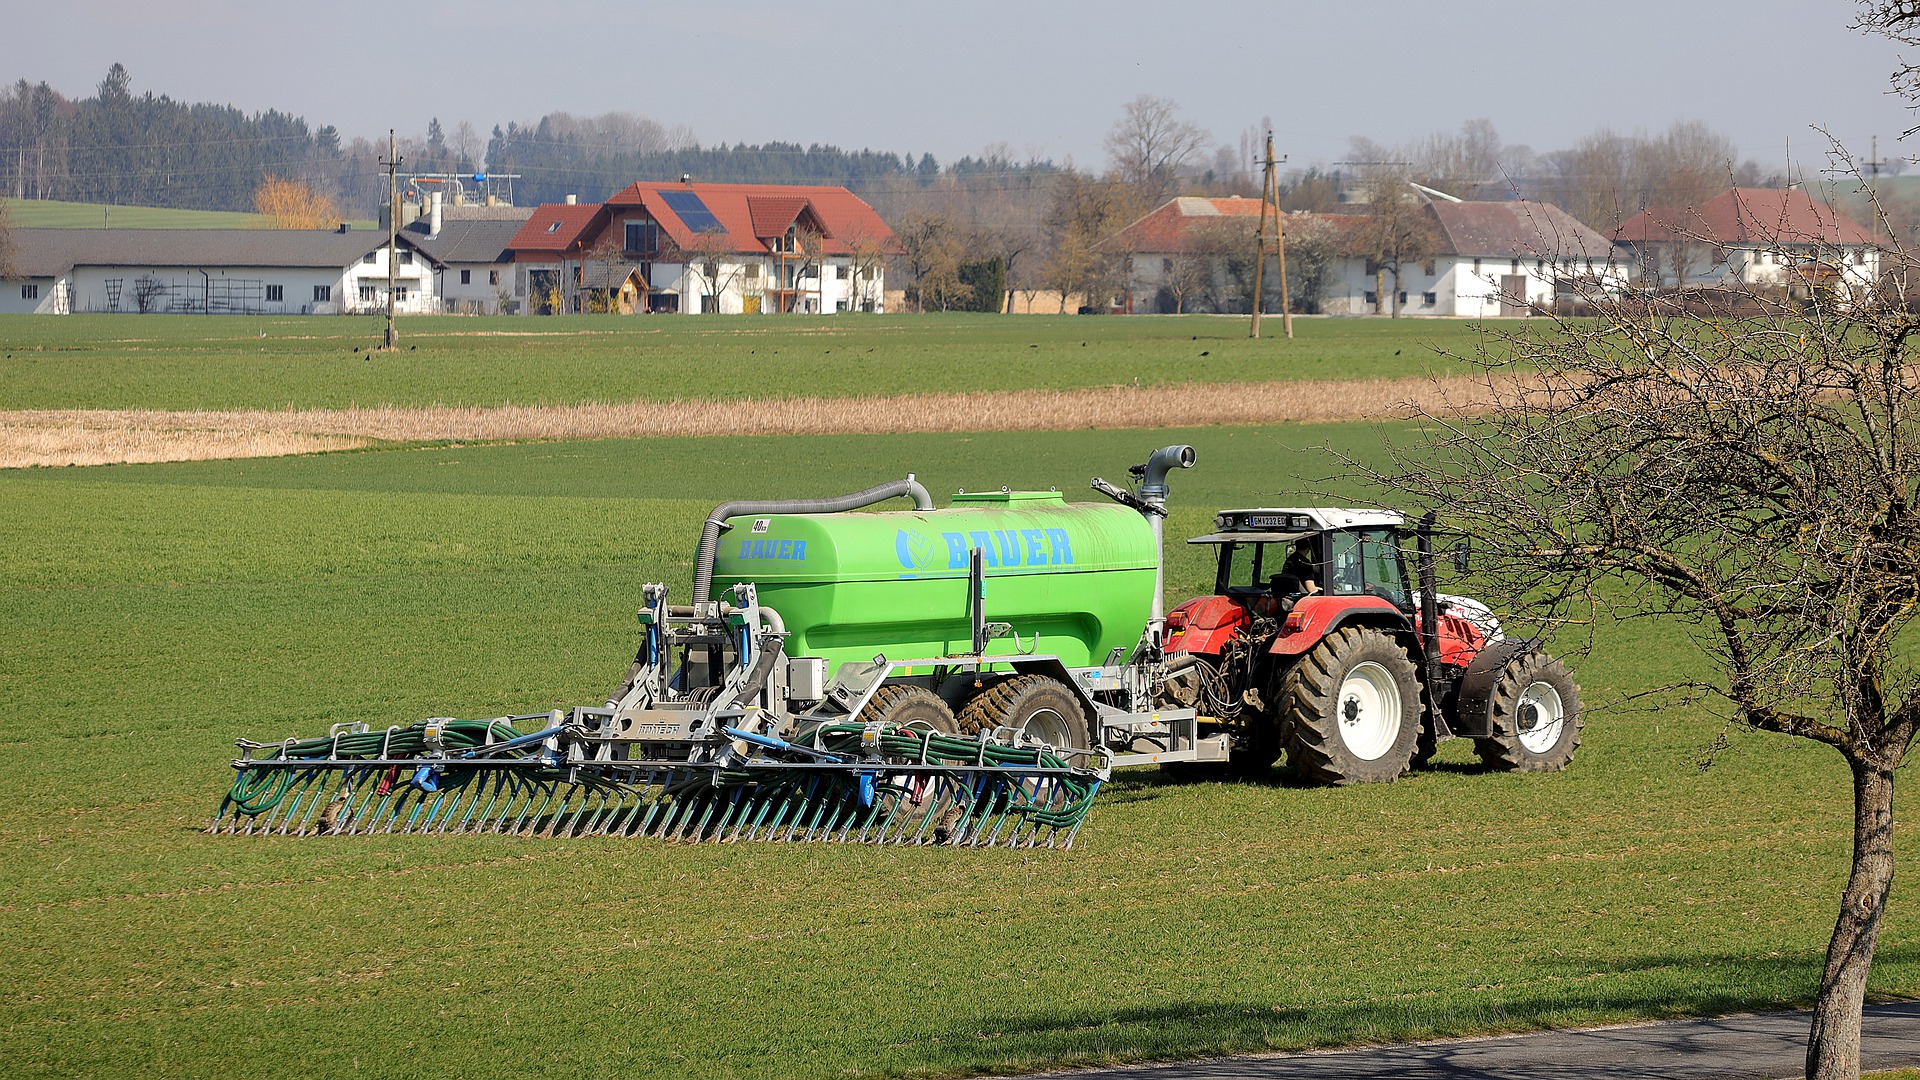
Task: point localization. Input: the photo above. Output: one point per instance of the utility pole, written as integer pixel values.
(1873, 166)
(393, 232)
(1270, 197)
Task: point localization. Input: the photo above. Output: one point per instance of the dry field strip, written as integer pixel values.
(33, 437)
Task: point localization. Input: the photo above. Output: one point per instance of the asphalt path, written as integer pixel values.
(1767, 1045)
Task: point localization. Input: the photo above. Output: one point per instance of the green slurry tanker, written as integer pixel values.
(968, 675)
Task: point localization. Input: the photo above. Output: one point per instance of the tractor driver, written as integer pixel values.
(1295, 580)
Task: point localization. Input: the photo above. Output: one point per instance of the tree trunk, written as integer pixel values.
(1833, 1047)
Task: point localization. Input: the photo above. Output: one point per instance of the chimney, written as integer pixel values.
(433, 214)
(686, 178)
(573, 200)
(346, 226)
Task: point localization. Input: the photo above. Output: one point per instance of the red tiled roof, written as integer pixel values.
(1747, 216)
(1165, 229)
(553, 229)
(743, 210)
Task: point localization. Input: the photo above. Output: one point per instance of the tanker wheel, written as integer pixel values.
(1353, 703)
(1041, 709)
(1536, 717)
(906, 704)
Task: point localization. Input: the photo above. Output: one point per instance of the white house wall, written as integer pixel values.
(32, 296)
(480, 293)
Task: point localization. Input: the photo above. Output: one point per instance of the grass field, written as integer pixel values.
(243, 362)
(158, 612)
(54, 214)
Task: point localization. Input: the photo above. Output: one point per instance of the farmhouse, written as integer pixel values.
(1486, 259)
(1751, 237)
(467, 245)
(700, 248)
(214, 272)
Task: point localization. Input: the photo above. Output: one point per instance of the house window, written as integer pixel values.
(322, 294)
(712, 270)
(399, 294)
(1516, 266)
(466, 277)
(1403, 299)
(29, 292)
(369, 293)
(753, 271)
(866, 273)
(406, 256)
(276, 294)
(1429, 298)
(1373, 298)
(643, 237)
(554, 227)
(493, 277)
(1166, 266)
(1476, 266)
(1860, 256)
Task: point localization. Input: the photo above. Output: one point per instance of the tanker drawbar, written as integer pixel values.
(965, 676)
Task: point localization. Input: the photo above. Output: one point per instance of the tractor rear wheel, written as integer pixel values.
(1353, 705)
(906, 704)
(1040, 709)
(1536, 717)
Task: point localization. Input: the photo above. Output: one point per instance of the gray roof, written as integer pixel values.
(465, 239)
(54, 252)
(1516, 230)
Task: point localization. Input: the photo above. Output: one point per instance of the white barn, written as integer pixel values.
(1751, 237)
(214, 272)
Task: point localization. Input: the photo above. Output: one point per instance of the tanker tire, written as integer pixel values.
(1039, 708)
(903, 704)
(1353, 703)
(1536, 717)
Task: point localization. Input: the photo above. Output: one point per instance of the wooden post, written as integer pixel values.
(1270, 197)
(393, 232)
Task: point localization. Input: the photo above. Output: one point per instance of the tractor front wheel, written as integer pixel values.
(1353, 706)
(1536, 717)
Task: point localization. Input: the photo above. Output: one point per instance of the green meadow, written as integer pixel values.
(247, 362)
(156, 613)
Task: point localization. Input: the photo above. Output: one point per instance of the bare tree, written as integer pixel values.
(7, 245)
(1152, 147)
(1400, 229)
(1759, 487)
(1467, 164)
(1313, 248)
(934, 251)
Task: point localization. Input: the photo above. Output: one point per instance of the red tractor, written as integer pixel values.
(1317, 642)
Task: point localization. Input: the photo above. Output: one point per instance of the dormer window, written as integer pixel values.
(553, 227)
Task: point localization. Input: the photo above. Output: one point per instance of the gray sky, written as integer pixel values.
(1047, 79)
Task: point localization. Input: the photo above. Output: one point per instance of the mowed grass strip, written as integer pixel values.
(165, 610)
(100, 436)
(179, 363)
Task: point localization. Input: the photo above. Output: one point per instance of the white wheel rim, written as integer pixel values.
(1539, 717)
(1369, 711)
(1046, 726)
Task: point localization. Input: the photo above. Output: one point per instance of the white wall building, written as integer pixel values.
(1492, 259)
(214, 271)
(1751, 237)
(707, 249)
(468, 244)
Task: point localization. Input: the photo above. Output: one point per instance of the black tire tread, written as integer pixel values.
(1311, 703)
(997, 704)
(904, 702)
(1503, 751)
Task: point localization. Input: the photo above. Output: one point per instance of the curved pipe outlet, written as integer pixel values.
(1153, 486)
(710, 534)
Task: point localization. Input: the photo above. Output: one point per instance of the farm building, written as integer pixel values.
(1751, 237)
(468, 247)
(1483, 259)
(698, 248)
(214, 272)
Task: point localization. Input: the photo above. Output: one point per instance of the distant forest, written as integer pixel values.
(151, 150)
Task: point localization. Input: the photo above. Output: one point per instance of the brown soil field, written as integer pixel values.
(97, 436)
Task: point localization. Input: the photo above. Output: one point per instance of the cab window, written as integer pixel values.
(1241, 568)
(1380, 564)
(1345, 576)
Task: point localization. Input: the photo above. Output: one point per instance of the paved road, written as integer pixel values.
(1769, 1045)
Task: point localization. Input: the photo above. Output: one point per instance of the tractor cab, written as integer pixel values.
(1271, 557)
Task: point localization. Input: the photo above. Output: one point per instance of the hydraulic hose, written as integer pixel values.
(710, 533)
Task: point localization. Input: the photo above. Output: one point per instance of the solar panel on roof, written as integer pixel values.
(693, 213)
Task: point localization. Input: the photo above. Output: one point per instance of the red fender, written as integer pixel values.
(1313, 617)
(1204, 624)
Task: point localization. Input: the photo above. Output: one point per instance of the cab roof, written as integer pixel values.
(1275, 524)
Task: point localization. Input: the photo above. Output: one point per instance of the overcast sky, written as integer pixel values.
(1046, 79)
